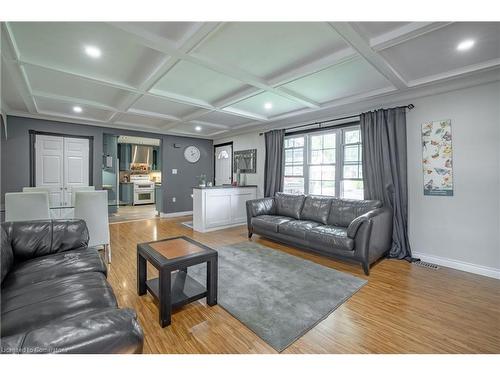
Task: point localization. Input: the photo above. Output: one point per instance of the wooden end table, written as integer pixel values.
(174, 289)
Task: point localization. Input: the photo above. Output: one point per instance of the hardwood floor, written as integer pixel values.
(402, 309)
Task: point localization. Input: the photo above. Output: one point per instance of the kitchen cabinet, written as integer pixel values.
(156, 166)
(219, 207)
(127, 193)
(125, 155)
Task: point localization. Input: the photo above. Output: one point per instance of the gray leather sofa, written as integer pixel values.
(354, 230)
(54, 293)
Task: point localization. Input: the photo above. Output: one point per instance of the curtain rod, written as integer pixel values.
(319, 123)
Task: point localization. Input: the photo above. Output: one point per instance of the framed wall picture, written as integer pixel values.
(437, 158)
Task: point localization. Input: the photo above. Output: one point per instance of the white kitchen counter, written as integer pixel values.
(219, 207)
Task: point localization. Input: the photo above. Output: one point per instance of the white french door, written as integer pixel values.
(223, 164)
(61, 165)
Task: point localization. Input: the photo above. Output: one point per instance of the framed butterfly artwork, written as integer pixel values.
(437, 158)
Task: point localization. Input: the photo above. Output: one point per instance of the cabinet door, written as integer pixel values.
(49, 165)
(218, 208)
(76, 166)
(238, 206)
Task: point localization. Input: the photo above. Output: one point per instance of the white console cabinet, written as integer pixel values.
(219, 207)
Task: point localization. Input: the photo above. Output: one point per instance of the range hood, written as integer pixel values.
(142, 155)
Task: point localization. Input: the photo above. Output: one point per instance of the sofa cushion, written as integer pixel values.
(289, 205)
(7, 257)
(57, 265)
(32, 306)
(343, 211)
(330, 236)
(30, 239)
(316, 208)
(108, 330)
(269, 222)
(297, 228)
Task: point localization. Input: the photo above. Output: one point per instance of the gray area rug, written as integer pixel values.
(278, 296)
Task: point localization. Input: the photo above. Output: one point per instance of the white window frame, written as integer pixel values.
(304, 157)
(343, 144)
(339, 156)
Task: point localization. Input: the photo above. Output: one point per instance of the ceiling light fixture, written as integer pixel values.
(465, 45)
(93, 51)
(268, 105)
(77, 109)
(198, 128)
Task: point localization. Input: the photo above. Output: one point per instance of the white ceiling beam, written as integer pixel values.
(196, 114)
(360, 44)
(242, 113)
(195, 37)
(404, 33)
(71, 100)
(246, 93)
(460, 72)
(330, 104)
(209, 124)
(248, 78)
(315, 66)
(161, 44)
(21, 82)
(152, 114)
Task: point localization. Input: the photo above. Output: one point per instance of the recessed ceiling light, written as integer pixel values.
(93, 51)
(465, 45)
(198, 128)
(77, 109)
(268, 105)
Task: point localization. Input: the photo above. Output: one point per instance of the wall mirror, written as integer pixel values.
(245, 161)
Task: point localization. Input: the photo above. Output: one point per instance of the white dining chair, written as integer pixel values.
(79, 188)
(92, 206)
(35, 189)
(27, 206)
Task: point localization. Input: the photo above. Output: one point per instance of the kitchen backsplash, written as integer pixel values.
(153, 176)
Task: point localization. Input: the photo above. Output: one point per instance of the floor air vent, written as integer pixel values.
(426, 265)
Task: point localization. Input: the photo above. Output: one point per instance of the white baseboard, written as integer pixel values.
(175, 214)
(459, 265)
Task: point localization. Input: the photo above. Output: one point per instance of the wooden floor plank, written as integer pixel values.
(402, 309)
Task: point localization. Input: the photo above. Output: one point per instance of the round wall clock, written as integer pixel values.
(192, 154)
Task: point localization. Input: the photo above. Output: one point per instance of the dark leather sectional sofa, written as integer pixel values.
(54, 293)
(353, 230)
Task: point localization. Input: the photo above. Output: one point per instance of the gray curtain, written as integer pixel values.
(384, 170)
(273, 174)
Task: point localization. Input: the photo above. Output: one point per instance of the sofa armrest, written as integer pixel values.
(353, 227)
(110, 331)
(31, 239)
(373, 237)
(257, 207)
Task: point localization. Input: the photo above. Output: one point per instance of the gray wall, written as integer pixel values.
(15, 161)
(180, 185)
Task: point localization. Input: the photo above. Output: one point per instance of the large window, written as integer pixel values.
(324, 163)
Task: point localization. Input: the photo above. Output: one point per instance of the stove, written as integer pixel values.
(144, 189)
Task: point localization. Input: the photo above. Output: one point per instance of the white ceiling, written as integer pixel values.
(215, 79)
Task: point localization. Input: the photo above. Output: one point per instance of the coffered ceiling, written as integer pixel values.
(214, 79)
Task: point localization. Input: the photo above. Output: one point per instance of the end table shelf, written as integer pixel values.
(184, 289)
